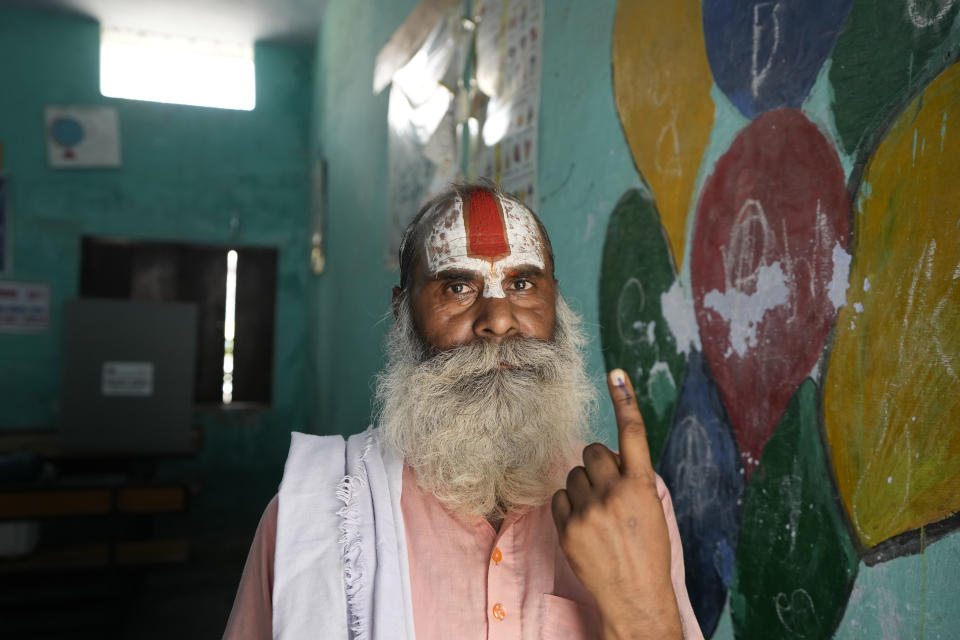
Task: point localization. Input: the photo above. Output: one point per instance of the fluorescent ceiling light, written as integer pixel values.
(160, 68)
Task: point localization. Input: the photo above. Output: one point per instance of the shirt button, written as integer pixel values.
(498, 612)
(497, 556)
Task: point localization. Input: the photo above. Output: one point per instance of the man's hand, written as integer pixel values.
(613, 532)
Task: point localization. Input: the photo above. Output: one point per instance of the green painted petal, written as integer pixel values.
(795, 563)
(637, 269)
(885, 53)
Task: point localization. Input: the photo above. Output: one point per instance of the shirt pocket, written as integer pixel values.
(565, 619)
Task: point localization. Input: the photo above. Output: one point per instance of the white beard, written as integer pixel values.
(485, 439)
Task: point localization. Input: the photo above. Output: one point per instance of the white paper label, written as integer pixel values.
(127, 379)
(24, 306)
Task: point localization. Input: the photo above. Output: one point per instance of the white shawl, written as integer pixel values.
(340, 567)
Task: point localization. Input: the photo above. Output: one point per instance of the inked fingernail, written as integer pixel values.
(623, 387)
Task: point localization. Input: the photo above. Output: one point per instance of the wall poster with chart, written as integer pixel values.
(464, 101)
(508, 76)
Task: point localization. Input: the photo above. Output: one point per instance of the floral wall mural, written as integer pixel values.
(785, 292)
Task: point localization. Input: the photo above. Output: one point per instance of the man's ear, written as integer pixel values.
(395, 301)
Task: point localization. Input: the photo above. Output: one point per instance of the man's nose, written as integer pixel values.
(495, 319)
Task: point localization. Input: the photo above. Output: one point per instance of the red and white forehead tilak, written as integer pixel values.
(486, 234)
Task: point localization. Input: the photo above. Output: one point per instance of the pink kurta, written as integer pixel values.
(467, 580)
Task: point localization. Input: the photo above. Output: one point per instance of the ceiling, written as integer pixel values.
(239, 21)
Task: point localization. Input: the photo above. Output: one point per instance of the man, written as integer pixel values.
(473, 510)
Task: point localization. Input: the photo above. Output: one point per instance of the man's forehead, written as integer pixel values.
(483, 232)
(481, 225)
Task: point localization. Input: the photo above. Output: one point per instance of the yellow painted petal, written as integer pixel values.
(661, 81)
(892, 394)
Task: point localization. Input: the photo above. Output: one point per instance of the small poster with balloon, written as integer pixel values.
(82, 137)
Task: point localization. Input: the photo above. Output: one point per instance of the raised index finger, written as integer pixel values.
(634, 451)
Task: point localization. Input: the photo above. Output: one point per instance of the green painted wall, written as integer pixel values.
(585, 166)
(189, 174)
(353, 295)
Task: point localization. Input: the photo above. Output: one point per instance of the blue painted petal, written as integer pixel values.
(701, 467)
(766, 54)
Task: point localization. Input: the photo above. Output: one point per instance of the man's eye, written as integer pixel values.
(458, 288)
(522, 285)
